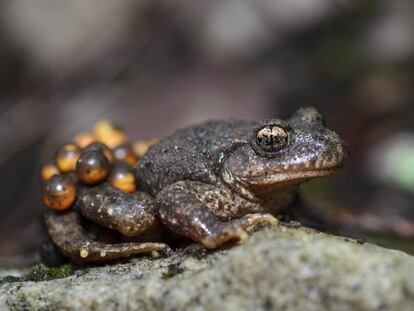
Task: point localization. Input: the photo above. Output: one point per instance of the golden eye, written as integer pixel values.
(272, 137)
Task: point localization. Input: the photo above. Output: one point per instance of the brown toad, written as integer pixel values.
(210, 182)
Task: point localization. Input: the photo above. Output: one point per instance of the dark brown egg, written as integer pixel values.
(48, 171)
(93, 167)
(66, 158)
(59, 192)
(124, 153)
(122, 176)
(97, 146)
(109, 134)
(83, 140)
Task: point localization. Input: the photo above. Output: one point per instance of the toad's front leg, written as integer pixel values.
(183, 210)
(130, 214)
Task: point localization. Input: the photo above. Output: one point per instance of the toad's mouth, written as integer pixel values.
(287, 178)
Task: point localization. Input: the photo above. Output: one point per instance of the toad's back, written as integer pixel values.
(188, 154)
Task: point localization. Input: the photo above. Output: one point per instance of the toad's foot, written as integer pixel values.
(229, 233)
(238, 229)
(252, 222)
(67, 233)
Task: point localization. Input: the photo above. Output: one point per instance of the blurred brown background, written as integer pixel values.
(153, 66)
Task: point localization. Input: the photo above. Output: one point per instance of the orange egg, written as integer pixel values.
(84, 139)
(48, 171)
(116, 139)
(97, 146)
(122, 176)
(109, 134)
(104, 127)
(66, 158)
(124, 153)
(93, 167)
(140, 147)
(59, 192)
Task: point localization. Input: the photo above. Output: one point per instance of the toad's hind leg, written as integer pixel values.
(185, 214)
(71, 238)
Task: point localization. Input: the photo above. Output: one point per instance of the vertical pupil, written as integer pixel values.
(269, 139)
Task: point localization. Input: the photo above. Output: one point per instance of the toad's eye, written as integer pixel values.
(272, 137)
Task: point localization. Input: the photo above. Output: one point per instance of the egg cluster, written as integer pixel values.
(92, 158)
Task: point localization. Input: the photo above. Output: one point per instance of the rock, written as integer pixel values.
(284, 268)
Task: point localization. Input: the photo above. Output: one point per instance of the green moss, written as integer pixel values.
(10, 279)
(42, 272)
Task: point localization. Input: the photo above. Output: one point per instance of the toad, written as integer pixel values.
(211, 183)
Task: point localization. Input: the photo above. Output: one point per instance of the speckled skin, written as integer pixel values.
(211, 182)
